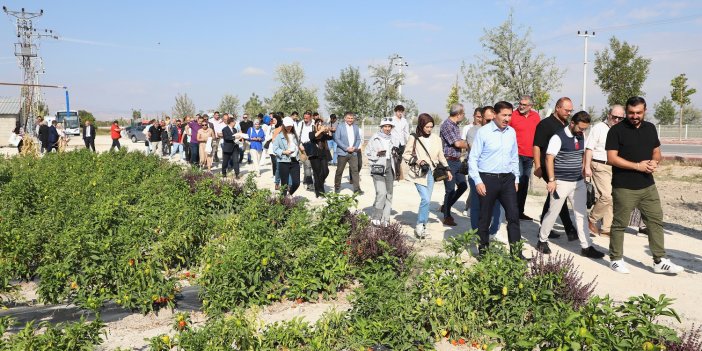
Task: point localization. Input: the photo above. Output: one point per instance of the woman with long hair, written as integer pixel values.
(286, 149)
(206, 136)
(320, 155)
(423, 152)
(275, 126)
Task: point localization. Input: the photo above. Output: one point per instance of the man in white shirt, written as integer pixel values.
(401, 132)
(217, 125)
(596, 166)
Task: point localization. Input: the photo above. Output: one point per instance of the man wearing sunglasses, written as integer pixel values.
(596, 166)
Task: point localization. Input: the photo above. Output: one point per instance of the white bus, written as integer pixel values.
(71, 124)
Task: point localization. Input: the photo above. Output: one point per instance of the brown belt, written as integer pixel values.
(598, 161)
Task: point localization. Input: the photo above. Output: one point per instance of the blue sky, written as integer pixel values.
(119, 55)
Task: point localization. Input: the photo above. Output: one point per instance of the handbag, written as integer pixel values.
(208, 146)
(590, 194)
(14, 139)
(302, 155)
(440, 171)
(378, 170)
(463, 168)
(415, 168)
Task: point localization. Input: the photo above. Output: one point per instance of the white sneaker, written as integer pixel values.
(375, 222)
(385, 223)
(665, 266)
(420, 231)
(619, 266)
(465, 214)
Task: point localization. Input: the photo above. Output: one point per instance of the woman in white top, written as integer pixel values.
(422, 164)
(381, 152)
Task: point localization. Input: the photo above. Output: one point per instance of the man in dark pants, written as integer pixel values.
(453, 144)
(89, 135)
(524, 121)
(229, 148)
(348, 141)
(53, 137)
(544, 131)
(494, 167)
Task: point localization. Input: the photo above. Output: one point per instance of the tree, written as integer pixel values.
(481, 89)
(386, 85)
(292, 95)
(229, 104)
(136, 115)
(83, 116)
(664, 111)
(184, 106)
(453, 97)
(254, 105)
(620, 72)
(349, 92)
(681, 95)
(692, 115)
(42, 109)
(510, 68)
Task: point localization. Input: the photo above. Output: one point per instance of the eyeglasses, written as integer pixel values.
(618, 118)
(521, 104)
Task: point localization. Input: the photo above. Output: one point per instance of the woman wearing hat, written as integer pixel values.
(382, 149)
(286, 149)
(423, 152)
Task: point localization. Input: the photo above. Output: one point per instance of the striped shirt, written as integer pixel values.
(450, 134)
(568, 150)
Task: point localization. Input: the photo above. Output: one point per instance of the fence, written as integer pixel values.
(673, 131)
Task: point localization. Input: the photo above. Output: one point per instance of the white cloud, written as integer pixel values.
(253, 71)
(425, 26)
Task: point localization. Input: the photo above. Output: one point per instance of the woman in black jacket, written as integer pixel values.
(319, 155)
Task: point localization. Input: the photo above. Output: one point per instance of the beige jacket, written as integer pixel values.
(435, 149)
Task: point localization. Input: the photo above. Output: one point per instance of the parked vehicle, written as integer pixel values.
(136, 133)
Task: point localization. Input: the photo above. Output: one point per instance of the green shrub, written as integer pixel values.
(77, 336)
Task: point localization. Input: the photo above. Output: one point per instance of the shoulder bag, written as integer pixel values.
(440, 171)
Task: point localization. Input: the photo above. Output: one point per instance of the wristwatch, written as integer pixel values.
(551, 179)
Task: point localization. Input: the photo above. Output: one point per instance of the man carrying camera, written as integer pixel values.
(452, 144)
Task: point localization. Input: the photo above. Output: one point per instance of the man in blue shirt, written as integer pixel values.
(494, 167)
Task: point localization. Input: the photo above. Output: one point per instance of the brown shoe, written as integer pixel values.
(449, 221)
(604, 234)
(593, 228)
(277, 187)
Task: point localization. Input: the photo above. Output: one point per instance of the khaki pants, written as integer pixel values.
(256, 156)
(602, 178)
(577, 194)
(649, 203)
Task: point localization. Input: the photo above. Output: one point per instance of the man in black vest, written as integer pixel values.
(43, 135)
(564, 165)
(89, 135)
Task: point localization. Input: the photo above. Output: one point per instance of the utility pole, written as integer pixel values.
(400, 63)
(29, 61)
(585, 35)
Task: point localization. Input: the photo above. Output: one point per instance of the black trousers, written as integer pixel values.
(89, 143)
(290, 170)
(226, 157)
(274, 163)
(231, 159)
(186, 147)
(564, 215)
(320, 169)
(498, 187)
(115, 144)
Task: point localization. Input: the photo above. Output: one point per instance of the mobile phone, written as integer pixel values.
(555, 195)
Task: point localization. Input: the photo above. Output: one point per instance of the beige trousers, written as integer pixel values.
(602, 179)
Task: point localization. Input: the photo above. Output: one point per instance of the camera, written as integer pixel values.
(425, 167)
(412, 161)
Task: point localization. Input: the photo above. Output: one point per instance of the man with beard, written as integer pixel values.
(634, 151)
(303, 130)
(544, 131)
(564, 164)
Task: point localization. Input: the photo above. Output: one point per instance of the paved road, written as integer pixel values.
(681, 150)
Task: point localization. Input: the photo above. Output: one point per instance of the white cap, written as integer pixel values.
(387, 121)
(288, 122)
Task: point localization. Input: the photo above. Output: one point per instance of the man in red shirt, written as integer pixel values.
(524, 121)
(115, 133)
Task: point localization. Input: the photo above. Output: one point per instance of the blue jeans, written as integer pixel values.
(526, 163)
(332, 148)
(475, 210)
(425, 198)
(178, 148)
(194, 153)
(452, 194)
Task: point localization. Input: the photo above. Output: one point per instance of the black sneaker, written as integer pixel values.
(572, 234)
(524, 217)
(554, 235)
(591, 252)
(543, 248)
